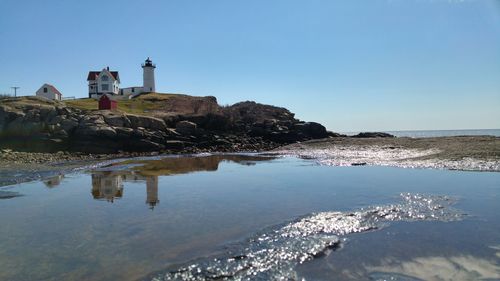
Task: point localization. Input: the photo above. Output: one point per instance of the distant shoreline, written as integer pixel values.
(438, 133)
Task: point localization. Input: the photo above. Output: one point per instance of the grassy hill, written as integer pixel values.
(155, 104)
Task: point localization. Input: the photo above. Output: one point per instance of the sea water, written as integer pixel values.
(246, 217)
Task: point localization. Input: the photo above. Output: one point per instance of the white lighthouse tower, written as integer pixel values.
(148, 76)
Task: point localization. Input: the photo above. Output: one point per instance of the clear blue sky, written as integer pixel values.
(351, 65)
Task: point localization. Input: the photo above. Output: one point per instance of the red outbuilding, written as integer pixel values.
(106, 103)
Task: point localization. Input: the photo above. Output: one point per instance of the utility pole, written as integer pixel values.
(15, 90)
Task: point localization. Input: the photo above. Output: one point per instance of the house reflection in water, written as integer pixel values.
(53, 181)
(109, 186)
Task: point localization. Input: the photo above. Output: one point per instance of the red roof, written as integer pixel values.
(54, 89)
(93, 75)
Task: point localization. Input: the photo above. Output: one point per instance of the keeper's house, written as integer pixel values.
(103, 82)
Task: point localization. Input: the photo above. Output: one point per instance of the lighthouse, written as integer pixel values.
(148, 76)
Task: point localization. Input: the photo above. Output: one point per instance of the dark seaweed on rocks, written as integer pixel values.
(274, 254)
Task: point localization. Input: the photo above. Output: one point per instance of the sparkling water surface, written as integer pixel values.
(245, 217)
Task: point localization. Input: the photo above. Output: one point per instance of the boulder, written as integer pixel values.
(95, 131)
(373, 135)
(92, 120)
(117, 121)
(47, 112)
(146, 122)
(185, 128)
(311, 129)
(175, 144)
(123, 132)
(69, 124)
(56, 119)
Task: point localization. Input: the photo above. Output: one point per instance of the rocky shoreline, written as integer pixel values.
(36, 125)
(468, 153)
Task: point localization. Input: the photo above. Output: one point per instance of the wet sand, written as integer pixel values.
(472, 153)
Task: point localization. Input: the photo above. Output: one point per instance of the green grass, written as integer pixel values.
(87, 104)
(140, 105)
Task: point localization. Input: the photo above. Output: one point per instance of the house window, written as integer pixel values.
(133, 90)
(91, 87)
(105, 87)
(45, 89)
(104, 78)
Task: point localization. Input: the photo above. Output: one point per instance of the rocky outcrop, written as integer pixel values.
(373, 135)
(186, 128)
(38, 124)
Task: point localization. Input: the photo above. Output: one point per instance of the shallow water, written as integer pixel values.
(250, 217)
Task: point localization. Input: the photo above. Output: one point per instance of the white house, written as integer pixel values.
(103, 82)
(49, 92)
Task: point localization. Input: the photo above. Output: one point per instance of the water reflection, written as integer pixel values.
(108, 185)
(464, 267)
(53, 181)
(107, 182)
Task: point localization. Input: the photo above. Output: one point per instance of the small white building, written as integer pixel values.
(49, 92)
(103, 82)
(131, 91)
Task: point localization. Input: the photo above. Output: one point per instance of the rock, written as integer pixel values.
(175, 144)
(47, 112)
(335, 135)
(258, 129)
(147, 122)
(373, 135)
(95, 131)
(124, 132)
(185, 128)
(106, 132)
(311, 129)
(145, 145)
(61, 134)
(92, 120)
(69, 124)
(117, 121)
